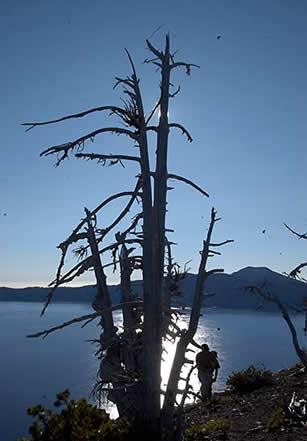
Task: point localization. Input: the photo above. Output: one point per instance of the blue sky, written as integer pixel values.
(246, 109)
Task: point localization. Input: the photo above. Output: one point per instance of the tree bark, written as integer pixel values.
(103, 299)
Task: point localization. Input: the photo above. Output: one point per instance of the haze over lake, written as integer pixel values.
(34, 370)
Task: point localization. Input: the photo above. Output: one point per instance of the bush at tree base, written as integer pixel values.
(250, 379)
(81, 421)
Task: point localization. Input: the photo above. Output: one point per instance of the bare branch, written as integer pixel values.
(126, 81)
(82, 266)
(295, 273)
(134, 194)
(85, 264)
(214, 271)
(64, 148)
(213, 252)
(299, 235)
(187, 66)
(113, 109)
(132, 65)
(220, 244)
(105, 157)
(184, 131)
(153, 111)
(83, 318)
(152, 128)
(124, 212)
(274, 299)
(172, 95)
(155, 51)
(187, 181)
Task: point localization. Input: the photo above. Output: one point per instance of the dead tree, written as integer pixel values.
(295, 274)
(130, 369)
(302, 355)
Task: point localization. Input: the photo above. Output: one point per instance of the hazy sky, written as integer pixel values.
(246, 109)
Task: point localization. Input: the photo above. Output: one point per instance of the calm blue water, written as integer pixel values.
(33, 370)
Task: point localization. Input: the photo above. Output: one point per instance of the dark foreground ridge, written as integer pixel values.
(248, 415)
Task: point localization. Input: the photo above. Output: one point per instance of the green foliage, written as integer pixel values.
(207, 428)
(251, 379)
(78, 421)
(276, 420)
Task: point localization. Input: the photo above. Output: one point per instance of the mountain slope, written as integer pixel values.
(230, 290)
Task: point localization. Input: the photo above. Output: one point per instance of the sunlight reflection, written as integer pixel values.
(169, 353)
(205, 334)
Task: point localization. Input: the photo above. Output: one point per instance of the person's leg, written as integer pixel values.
(202, 384)
(208, 385)
(205, 384)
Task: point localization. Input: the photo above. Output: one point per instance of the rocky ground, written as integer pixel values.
(248, 414)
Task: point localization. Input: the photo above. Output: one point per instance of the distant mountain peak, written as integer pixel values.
(255, 269)
(260, 274)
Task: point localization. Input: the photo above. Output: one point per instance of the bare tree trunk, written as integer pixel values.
(127, 391)
(103, 300)
(153, 325)
(187, 336)
(302, 355)
(151, 364)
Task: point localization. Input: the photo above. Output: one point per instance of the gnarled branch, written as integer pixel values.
(83, 318)
(187, 181)
(65, 148)
(82, 266)
(134, 194)
(183, 129)
(113, 109)
(187, 66)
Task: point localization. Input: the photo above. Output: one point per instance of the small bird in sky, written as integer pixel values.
(263, 231)
(4, 214)
(218, 37)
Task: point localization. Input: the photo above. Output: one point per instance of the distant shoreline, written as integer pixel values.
(230, 291)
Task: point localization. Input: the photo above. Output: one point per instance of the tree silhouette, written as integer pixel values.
(130, 368)
(283, 309)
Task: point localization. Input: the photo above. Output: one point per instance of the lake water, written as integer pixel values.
(32, 371)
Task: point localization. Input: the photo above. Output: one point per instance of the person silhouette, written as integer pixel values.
(208, 366)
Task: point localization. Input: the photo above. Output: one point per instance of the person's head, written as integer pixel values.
(204, 347)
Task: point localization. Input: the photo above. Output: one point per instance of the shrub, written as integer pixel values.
(78, 421)
(251, 379)
(207, 428)
(276, 420)
(224, 399)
